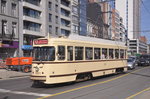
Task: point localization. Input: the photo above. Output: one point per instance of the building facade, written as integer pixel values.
(95, 20)
(123, 32)
(83, 17)
(42, 18)
(9, 23)
(75, 16)
(106, 11)
(115, 25)
(137, 47)
(130, 12)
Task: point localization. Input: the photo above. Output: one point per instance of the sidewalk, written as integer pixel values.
(5, 74)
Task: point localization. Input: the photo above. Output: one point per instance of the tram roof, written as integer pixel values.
(77, 38)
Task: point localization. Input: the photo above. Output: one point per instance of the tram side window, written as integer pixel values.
(104, 53)
(51, 56)
(70, 53)
(111, 54)
(89, 53)
(117, 53)
(61, 52)
(44, 53)
(97, 53)
(122, 53)
(78, 53)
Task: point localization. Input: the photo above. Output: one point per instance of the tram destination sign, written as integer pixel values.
(40, 42)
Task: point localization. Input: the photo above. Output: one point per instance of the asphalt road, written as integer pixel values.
(133, 84)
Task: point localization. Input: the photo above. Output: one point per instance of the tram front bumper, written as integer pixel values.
(40, 78)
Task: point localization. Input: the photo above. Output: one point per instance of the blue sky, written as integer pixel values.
(145, 19)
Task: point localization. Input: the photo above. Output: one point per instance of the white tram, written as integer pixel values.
(60, 60)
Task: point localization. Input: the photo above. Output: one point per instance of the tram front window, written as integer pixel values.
(44, 53)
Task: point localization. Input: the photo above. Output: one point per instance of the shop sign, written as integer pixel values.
(15, 44)
(41, 41)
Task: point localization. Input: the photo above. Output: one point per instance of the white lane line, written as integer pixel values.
(23, 93)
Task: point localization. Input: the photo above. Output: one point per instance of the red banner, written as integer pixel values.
(42, 41)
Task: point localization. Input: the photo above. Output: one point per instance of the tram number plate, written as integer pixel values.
(37, 72)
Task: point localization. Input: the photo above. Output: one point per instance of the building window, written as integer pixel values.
(56, 31)
(4, 27)
(75, 9)
(50, 29)
(65, 32)
(65, 3)
(14, 29)
(3, 6)
(65, 23)
(65, 12)
(13, 8)
(31, 13)
(50, 17)
(56, 19)
(74, 19)
(56, 8)
(32, 26)
(50, 5)
(75, 29)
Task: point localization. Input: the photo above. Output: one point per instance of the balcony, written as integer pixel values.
(29, 5)
(35, 33)
(31, 19)
(65, 4)
(34, 2)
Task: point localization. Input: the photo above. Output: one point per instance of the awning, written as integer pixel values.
(27, 47)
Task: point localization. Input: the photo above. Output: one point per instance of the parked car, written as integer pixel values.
(135, 58)
(144, 60)
(131, 63)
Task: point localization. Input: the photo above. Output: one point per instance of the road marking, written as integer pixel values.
(130, 97)
(90, 85)
(23, 93)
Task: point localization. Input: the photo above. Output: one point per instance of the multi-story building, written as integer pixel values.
(83, 17)
(123, 35)
(95, 20)
(115, 25)
(9, 23)
(130, 12)
(107, 17)
(137, 47)
(41, 18)
(75, 17)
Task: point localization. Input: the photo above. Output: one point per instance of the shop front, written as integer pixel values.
(8, 49)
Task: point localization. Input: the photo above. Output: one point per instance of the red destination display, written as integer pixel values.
(38, 42)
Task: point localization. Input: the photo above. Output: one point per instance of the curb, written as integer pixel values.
(13, 77)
